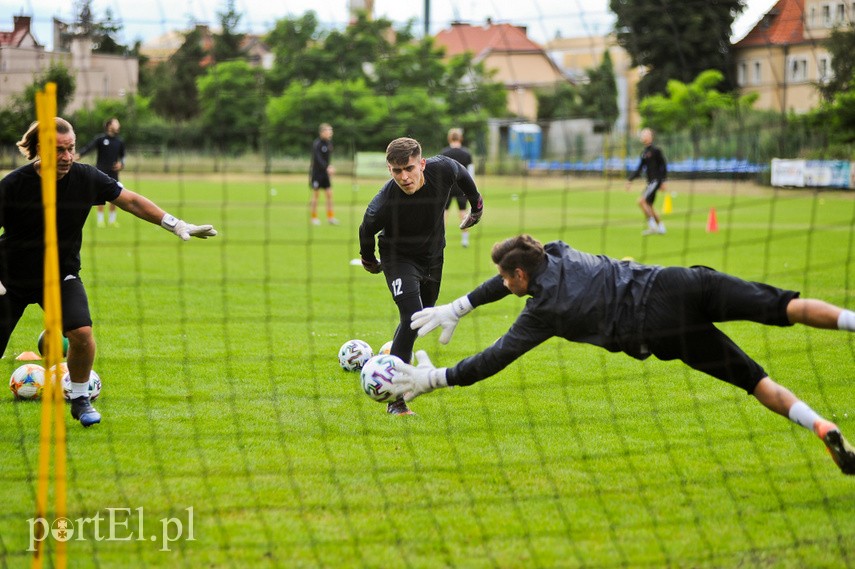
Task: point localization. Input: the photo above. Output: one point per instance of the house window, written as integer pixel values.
(797, 69)
(757, 77)
(826, 16)
(741, 72)
(823, 64)
(840, 14)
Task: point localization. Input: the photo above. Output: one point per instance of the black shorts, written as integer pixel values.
(407, 278)
(321, 181)
(457, 194)
(682, 307)
(75, 308)
(649, 193)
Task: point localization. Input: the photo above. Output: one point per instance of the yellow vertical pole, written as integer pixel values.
(52, 404)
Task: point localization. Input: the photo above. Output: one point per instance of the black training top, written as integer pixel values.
(413, 226)
(22, 218)
(653, 161)
(461, 154)
(111, 149)
(321, 150)
(581, 297)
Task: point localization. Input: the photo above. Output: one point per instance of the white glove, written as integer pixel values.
(414, 381)
(186, 230)
(2, 289)
(445, 316)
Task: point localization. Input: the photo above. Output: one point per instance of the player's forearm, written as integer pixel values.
(140, 206)
(491, 290)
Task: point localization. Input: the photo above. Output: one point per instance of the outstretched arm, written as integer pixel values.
(447, 316)
(145, 209)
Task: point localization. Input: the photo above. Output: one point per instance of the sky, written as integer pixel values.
(146, 19)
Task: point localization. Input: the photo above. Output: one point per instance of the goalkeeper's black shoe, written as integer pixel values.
(398, 407)
(838, 447)
(82, 410)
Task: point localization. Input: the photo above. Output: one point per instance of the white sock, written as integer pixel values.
(113, 216)
(79, 389)
(651, 223)
(803, 415)
(846, 321)
(100, 217)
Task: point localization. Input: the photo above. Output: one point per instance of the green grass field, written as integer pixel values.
(222, 393)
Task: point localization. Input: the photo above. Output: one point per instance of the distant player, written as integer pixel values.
(408, 213)
(22, 247)
(110, 160)
(456, 150)
(641, 310)
(321, 172)
(653, 162)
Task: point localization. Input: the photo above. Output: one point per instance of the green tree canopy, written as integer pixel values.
(840, 45)
(691, 106)
(175, 95)
(227, 43)
(232, 104)
(676, 39)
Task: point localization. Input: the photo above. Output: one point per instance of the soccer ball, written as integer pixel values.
(386, 348)
(353, 355)
(94, 386)
(378, 375)
(28, 381)
(42, 344)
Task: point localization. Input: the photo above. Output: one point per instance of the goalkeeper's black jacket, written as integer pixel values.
(577, 296)
(412, 227)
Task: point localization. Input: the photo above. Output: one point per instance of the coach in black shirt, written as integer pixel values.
(408, 213)
(641, 310)
(22, 247)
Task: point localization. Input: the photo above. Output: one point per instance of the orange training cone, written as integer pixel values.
(712, 222)
(668, 205)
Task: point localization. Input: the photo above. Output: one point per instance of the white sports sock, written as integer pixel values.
(846, 321)
(651, 223)
(100, 217)
(803, 415)
(79, 389)
(113, 216)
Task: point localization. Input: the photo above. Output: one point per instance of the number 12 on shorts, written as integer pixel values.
(396, 287)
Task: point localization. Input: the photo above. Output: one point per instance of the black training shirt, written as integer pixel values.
(111, 149)
(22, 218)
(653, 161)
(413, 226)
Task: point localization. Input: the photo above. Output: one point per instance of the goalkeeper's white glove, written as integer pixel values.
(2, 289)
(186, 230)
(445, 316)
(423, 378)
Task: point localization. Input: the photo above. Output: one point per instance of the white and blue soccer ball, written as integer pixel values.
(353, 355)
(94, 386)
(386, 348)
(378, 376)
(28, 381)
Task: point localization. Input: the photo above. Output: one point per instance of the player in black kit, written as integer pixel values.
(640, 310)
(110, 160)
(320, 172)
(78, 188)
(408, 212)
(653, 162)
(456, 150)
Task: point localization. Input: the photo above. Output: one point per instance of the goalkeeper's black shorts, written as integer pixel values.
(682, 307)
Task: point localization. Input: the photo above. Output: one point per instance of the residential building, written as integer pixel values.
(98, 76)
(521, 64)
(161, 48)
(575, 56)
(782, 58)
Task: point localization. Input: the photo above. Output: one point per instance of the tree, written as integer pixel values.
(599, 95)
(840, 45)
(690, 106)
(289, 40)
(227, 44)
(175, 95)
(676, 39)
(65, 86)
(231, 103)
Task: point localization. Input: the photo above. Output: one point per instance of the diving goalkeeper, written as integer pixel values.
(641, 310)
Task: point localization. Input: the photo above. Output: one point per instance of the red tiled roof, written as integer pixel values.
(782, 25)
(493, 37)
(19, 34)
